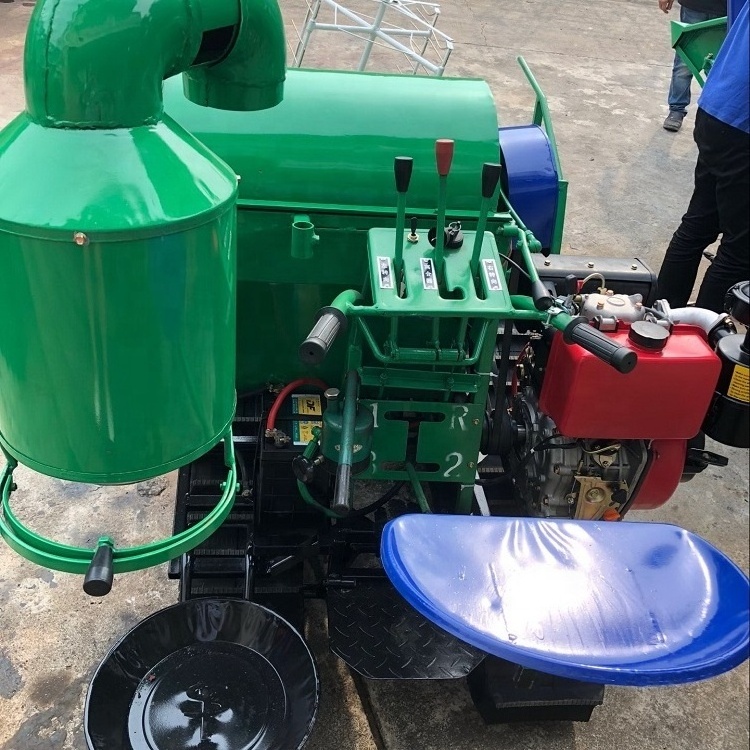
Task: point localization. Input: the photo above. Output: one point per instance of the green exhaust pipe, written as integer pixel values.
(101, 63)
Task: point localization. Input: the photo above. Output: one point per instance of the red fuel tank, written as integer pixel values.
(666, 396)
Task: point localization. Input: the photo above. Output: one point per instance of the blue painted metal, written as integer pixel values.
(733, 10)
(617, 603)
(531, 178)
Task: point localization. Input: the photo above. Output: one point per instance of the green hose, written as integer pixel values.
(310, 450)
(424, 506)
(311, 501)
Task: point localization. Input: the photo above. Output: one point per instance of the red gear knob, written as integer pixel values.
(444, 155)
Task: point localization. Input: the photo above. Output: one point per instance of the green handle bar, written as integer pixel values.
(68, 559)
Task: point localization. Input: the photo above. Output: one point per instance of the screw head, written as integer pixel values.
(475, 422)
(80, 239)
(595, 495)
(589, 265)
(634, 267)
(547, 262)
(471, 464)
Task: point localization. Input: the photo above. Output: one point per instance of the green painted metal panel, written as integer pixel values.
(117, 352)
(115, 184)
(334, 137)
(327, 151)
(447, 440)
(458, 297)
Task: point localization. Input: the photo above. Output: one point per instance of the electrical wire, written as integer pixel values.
(244, 476)
(284, 392)
(542, 445)
(514, 376)
(513, 263)
(606, 449)
(387, 496)
(591, 276)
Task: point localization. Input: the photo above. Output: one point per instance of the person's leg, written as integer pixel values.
(727, 150)
(682, 79)
(679, 88)
(698, 229)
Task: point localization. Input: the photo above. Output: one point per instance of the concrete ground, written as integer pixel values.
(605, 68)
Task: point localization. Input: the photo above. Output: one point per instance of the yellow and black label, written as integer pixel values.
(306, 405)
(739, 385)
(303, 432)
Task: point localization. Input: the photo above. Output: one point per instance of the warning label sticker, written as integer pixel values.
(303, 432)
(306, 405)
(739, 385)
(385, 272)
(429, 280)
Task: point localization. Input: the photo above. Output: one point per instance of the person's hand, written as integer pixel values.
(666, 5)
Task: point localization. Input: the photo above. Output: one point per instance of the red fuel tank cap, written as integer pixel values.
(648, 335)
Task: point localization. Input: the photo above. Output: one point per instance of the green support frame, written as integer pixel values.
(68, 559)
(543, 118)
(698, 44)
(429, 380)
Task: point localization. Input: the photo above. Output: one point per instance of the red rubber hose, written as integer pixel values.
(284, 392)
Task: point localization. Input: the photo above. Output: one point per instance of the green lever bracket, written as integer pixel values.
(68, 559)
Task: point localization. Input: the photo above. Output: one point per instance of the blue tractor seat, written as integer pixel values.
(614, 603)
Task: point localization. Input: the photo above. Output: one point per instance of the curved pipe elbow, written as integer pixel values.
(101, 65)
(696, 316)
(251, 76)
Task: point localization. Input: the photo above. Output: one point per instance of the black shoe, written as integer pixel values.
(673, 122)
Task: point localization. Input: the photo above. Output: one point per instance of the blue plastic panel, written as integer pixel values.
(531, 178)
(618, 603)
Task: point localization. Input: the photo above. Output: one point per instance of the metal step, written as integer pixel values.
(504, 693)
(380, 636)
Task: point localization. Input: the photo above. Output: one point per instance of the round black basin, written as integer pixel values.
(205, 675)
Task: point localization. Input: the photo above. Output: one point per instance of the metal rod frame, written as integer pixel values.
(377, 31)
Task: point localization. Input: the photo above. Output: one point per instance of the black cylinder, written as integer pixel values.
(728, 418)
(99, 577)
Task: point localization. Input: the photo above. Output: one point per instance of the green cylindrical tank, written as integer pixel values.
(332, 141)
(117, 235)
(118, 308)
(326, 152)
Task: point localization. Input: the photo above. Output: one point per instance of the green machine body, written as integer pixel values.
(325, 154)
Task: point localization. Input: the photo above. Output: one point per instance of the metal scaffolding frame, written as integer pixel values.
(425, 47)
